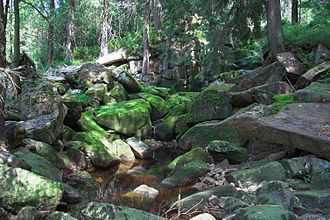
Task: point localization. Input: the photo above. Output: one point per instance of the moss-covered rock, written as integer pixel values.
(60, 216)
(46, 151)
(91, 73)
(68, 133)
(97, 91)
(159, 107)
(130, 117)
(165, 128)
(182, 98)
(211, 104)
(129, 83)
(221, 150)
(202, 134)
(20, 188)
(252, 177)
(158, 91)
(87, 123)
(315, 92)
(187, 168)
(313, 201)
(39, 165)
(264, 212)
(106, 211)
(118, 93)
(122, 150)
(97, 148)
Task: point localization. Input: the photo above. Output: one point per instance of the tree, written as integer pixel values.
(158, 15)
(51, 32)
(16, 34)
(3, 25)
(274, 27)
(294, 12)
(145, 63)
(70, 30)
(105, 29)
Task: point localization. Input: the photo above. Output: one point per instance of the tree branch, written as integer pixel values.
(37, 9)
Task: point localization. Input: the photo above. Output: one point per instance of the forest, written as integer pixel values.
(164, 109)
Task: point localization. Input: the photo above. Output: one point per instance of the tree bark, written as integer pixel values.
(2, 109)
(16, 34)
(2, 36)
(145, 63)
(51, 33)
(70, 29)
(294, 12)
(159, 15)
(105, 29)
(274, 27)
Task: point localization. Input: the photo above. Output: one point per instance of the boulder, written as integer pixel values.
(311, 75)
(275, 193)
(264, 212)
(260, 76)
(129, 83)
(122, 150)
(313, 202)
(97, 91)
(140, 149)
(291, 63)
(322, 53)
(9, 159)
(165, 128)
(221, 150)
(46, 151)
(302, 126)
(159, 107)
(130, 118)
(187, 168)
(200, 135)
(97, 148)
(314, 93)
(211, 104)
(20, 188)
(27, 212)
(201, 198)
(260, 94)
(108, 211)
(87, 123)
(118, 93)
(246, 178)
(92, 73)
(259, 150)
(39, 165)
(14, 133)
(114, 57)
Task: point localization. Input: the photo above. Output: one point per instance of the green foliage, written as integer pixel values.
(281, 101)
(131, 41)
(310, 34)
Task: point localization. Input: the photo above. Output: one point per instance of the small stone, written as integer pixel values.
(146, 191)
(204, 216)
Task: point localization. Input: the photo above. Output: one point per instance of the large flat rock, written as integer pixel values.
(305, 126)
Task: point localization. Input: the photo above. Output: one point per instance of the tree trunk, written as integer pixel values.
(2, 36)
(294, 13)
(105, 29)
(274, 27)
(51, 32)
(158, 15)
(16, 34)
(145, 64)
(70, 28)
(2, 109)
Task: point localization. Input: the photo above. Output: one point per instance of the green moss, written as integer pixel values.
(159, 91)
(281, 101)
(159, 107)
(197, 153)
(87, 123)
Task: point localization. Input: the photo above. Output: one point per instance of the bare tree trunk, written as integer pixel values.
(16, 34)
(105, 29)
(70, 28)
(159, 15)
(294, 13)
(145, 64)
(2, 36)
(274, 27)
(2, 110)
(3, 25)
(51, 32)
